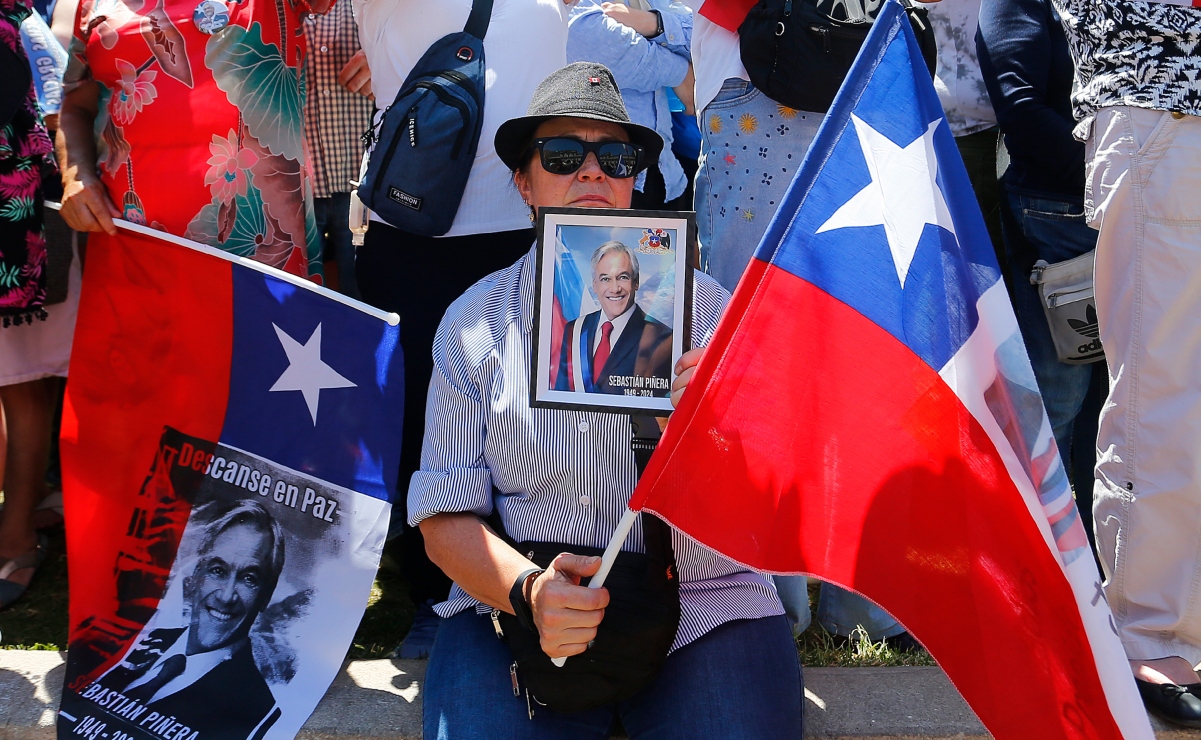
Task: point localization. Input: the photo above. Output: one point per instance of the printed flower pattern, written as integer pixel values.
(24, 146)
(245, 86)
(228, 165)
(747, 123)
(134, 91)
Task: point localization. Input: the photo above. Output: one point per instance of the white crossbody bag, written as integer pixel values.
(1066, 292)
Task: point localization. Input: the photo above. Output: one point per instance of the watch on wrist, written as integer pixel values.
(658, 25)
(521, 607)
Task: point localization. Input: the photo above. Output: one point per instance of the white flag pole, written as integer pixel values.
(615, 543)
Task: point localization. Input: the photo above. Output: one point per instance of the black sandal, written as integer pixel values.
(10, 591)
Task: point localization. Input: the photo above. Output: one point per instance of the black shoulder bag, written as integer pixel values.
(799, 54)
(638, 629)
(425, 142)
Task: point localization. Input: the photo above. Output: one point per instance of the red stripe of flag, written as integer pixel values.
(152, 346)
(812, 441)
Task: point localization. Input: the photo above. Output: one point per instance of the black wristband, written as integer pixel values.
(521, 607)
(659, 25)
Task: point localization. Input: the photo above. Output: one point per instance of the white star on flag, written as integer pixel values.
(306, 372)
(903, 195)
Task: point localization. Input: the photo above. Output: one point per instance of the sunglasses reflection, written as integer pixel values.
(563, 155)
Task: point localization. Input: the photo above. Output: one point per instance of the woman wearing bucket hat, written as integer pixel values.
(558, 476)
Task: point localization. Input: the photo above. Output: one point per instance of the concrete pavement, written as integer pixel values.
(376, 699)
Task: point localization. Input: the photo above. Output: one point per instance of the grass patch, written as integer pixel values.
(819, 649)
(39, 620)
(387, 618)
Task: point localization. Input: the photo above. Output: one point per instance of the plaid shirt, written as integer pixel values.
(334, 118)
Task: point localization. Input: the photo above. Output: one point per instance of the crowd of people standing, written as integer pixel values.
(1079, 136)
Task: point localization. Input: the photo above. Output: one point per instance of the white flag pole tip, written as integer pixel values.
(390, 318)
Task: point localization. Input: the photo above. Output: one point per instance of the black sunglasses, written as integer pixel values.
(563, 156)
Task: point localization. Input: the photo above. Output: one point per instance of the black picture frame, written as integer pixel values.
(664, 249)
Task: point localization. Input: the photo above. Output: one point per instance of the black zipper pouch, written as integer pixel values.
(631, 642)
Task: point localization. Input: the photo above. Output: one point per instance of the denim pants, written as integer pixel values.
(1053, 228)
(333, 223)
(751, 146)
(1142, 177)
(740, 681)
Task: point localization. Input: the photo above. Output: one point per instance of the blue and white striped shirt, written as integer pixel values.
(562, 476)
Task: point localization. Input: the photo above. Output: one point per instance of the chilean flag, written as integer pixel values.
(570, 292)
(866, 413)
(200, 382)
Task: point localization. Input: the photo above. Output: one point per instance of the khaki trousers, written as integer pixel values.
(1143, 193)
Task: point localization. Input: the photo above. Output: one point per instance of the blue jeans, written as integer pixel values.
(1053, 228)
(839, 611)
(740, 680)
(333, 223)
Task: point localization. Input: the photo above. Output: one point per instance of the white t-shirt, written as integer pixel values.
(526, 41)
(716, 57)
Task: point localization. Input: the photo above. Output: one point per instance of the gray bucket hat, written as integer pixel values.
(579, 90)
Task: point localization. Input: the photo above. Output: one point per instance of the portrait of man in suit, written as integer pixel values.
(204, 674)
(618, 349)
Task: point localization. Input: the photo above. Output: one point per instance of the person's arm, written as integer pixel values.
(677, 27)
(686, 92)
(60, 22)
(356, 75)
(453, 490)
(86, 205)
(637, 62)
(484, 566)
(1014, 46)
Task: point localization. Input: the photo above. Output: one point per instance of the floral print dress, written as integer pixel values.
(202, 135)
(23, 145)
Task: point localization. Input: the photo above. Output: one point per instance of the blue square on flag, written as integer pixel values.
(304, 393)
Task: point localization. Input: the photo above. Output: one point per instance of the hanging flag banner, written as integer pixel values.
(230, 447)
(866, 413)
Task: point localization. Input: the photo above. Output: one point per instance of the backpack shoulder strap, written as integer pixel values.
(481, 16)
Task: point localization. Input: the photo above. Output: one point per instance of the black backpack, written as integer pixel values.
(798, 52)
(425, 141)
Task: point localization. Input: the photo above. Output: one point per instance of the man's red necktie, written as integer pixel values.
(602, 351)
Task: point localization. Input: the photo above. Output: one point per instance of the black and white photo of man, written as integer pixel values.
(204, 674)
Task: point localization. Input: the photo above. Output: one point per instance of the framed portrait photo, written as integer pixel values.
(612, 311)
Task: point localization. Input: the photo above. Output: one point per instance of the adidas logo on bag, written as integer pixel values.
(1087, 328)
